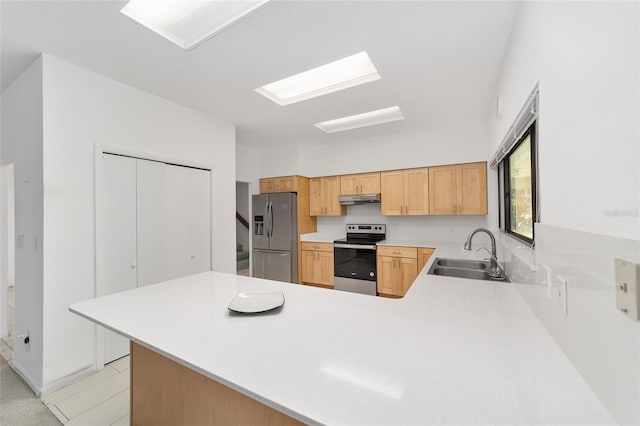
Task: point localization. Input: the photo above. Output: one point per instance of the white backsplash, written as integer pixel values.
(601, 342)
(406, 228)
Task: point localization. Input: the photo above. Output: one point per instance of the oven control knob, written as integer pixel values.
(371, 274)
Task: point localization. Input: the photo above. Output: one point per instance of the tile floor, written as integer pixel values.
(99, 399)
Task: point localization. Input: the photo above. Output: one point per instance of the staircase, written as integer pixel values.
(242, 260)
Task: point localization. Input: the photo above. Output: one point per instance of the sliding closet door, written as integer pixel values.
(200, 220)
(152, 217)
(178, 258)
(119, 261)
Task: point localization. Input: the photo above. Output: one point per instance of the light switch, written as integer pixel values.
(627, 288)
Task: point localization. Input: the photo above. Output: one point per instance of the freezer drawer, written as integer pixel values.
(273, 265)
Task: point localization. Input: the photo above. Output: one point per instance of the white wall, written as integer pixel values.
(22, 130)
(82, 109)
(247, 165)
(585, 56)
(465, 142)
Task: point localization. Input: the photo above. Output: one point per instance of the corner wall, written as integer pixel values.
(585, 57)
(22, 139)
(82, 109)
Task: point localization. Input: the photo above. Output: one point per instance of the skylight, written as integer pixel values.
(188, 23)
(332, 77)
(370, 118)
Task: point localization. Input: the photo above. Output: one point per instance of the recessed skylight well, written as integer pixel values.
(188, 23)
(332, 77)
(370, 118)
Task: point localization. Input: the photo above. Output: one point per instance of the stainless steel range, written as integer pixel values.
(354, 257)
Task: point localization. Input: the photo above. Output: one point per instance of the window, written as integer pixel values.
(519, 187)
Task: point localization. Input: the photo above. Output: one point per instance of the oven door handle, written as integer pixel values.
(355, 246)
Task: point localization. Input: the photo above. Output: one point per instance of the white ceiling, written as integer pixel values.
(439, 61)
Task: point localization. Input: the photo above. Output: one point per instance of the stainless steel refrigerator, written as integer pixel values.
(275, 236)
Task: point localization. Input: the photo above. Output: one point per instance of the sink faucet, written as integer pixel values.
(494, 272)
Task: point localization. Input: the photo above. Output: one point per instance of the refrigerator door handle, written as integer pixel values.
(271, 218)
(266, 219)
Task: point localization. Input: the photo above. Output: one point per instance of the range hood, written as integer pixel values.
(349, 200)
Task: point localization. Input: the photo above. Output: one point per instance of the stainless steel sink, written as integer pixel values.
(463, 263)
(462, 268)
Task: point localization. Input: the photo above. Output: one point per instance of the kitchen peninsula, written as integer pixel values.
(452, 351)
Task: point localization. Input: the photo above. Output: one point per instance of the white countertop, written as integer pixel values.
(452, 351)
(317, 237)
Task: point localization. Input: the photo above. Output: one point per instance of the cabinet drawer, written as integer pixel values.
(308, 245)
(409, 252)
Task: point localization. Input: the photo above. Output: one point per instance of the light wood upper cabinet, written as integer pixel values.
(397, 269)
(323, 197)
(459, 189)
(317, 263)
(405, 192)
(279, 184)
(363, 183)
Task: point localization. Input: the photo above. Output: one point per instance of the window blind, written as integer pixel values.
(527, 115)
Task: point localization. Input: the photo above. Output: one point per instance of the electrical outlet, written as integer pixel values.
(562, 295)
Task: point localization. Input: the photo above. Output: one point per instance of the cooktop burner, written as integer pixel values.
(364, 234)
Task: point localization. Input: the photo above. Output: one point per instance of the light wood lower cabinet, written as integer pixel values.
(459, 189)
(423, 257)
(397, 269)
(317, 264)
(164, 392)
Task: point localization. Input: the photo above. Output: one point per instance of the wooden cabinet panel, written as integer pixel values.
(392, 193)
(317, 266)
(423, 257)
(385, 268)
(405, 192)
(410, 252)
(363, 183)
(324, 193)
(308, 245)
(407, 273)
(279, 184)
(442, 190)
(331, 192)
(397, 269)
(459, 189)
(416, 188)
(349, 184)
(472, 188)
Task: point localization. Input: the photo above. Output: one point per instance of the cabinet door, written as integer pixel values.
(392, 193)
(178, 246)
(407, 273)
(119, 248)
(316, 207)
(349, 184)
(152, 220)
(308, 266)
(471, 181)
(386, 271)
(442, 190)
(370, 183)
(200, 220)
(416, 191)
(331, 192)
(285, 184)
(324, 268)
(267, 185)
(423, 257)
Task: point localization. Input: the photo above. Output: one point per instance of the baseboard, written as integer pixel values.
(49, 388)
(22, 372)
